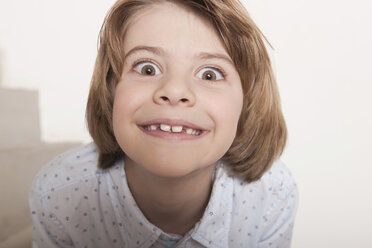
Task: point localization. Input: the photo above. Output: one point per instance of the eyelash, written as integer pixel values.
(217, 69)
(137, 62)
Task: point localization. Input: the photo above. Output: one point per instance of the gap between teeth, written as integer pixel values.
(173, 129)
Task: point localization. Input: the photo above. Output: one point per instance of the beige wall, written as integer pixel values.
(19, 115)
(22, 154)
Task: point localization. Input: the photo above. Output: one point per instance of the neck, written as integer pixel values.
(174, 205)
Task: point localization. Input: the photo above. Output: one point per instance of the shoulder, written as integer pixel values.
(258, 206)
(277, 182)
(279, 179)
(267, 207)
(69, 168)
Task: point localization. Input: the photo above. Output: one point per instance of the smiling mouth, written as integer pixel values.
(175, 129)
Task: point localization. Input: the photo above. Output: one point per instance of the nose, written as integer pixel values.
(174, 92)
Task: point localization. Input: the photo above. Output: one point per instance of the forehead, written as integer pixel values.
(176, 28)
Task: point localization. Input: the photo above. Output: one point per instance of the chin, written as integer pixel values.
(170, 168)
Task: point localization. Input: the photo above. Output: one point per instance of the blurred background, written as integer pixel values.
(322, 59)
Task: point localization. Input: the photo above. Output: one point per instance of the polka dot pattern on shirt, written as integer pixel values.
(75, 204)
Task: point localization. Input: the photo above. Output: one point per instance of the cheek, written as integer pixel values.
(229, 114)
(120, 107)
(128, 98)
(227, 118)
(125, 103)
(225, 109)
(226, 106)
(122, 99)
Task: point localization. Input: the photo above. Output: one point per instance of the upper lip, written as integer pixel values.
(172, 122)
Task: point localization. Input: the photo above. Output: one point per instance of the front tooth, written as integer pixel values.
(177, 129)
(189, 131)
(165, 128)
(153, 127)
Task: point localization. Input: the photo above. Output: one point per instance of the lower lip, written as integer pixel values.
(173, 136)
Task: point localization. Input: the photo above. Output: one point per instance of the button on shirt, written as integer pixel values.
(75, 204)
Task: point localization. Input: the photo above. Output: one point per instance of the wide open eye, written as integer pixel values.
(147, 68)
(210, 73)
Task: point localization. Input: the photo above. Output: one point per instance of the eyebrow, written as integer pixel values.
(161, 52)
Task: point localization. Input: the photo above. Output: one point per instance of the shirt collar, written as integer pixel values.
(217, 213)
(139, 232)
(136, 230)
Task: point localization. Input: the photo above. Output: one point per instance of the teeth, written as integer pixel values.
(189, 131)
(177, 129)
(173, 129)
(165, 128)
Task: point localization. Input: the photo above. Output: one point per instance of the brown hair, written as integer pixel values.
(261, 133)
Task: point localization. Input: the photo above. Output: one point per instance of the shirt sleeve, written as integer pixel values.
(279, 220)
(47, 230)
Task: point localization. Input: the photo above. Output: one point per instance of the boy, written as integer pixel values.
(186, 122)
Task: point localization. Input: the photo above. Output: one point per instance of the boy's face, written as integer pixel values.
(177, 73)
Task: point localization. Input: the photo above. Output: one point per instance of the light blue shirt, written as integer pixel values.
(74, 204)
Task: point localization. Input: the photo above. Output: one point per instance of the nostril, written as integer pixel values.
(166, 99)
